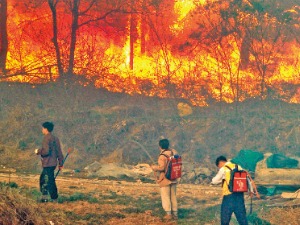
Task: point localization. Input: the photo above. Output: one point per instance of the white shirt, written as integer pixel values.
(220, 176)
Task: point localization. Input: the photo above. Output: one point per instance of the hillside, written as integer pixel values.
(116, 127)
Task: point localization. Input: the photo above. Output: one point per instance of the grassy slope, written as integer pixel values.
(100, 126)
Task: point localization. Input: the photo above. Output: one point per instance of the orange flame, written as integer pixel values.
(162, 71)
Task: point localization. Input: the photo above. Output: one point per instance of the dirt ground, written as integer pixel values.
(193, 198)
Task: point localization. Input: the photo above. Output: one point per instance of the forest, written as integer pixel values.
(203, 51)
(115, 76)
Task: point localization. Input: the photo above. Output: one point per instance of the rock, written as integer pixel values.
(198, 172)
(116, 170)
(184, 109)
(142, 169)
(67, 171)
(265, 176)
(92, 168)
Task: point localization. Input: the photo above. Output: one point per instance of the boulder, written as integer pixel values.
(266, 176)
(196, 174)
(92, 168)
(142, 169)
(184, 109)
(116, 170)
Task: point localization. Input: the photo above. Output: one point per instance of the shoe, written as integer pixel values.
(175, 217)
(167, 217)
(54, 200)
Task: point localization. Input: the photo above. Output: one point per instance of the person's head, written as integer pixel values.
(220, 161)
(164, 144)
(47, 127)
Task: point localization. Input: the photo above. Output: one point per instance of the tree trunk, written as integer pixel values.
(245, 52)
(133, 34)
(143, 28)
(52, 6)
(263, 82)
(3, 35)
(131, 42)
(75, 15)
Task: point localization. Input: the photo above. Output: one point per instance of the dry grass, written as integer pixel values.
(17, 209)
(90, 201)
(280, 216)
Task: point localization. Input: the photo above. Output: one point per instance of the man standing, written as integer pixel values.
(232, 202)
(167, 187)
(50, 153)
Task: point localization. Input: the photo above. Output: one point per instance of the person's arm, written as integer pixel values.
(60, 155)
(219, 177)
(161, 164)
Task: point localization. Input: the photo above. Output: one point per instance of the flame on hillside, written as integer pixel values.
(165, 68)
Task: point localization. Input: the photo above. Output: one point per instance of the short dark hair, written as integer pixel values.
(219, 159)
(164, 143)
(48, 125)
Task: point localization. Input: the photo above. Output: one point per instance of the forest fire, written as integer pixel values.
(198, 50)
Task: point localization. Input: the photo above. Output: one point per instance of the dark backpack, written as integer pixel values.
(173, 167)
(238, 180)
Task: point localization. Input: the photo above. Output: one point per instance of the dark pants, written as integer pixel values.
(233, 203)
(47, 182)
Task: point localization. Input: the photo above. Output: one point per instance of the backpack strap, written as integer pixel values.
(167, 157)
(223, 181)
(165, 154)
(228, 167)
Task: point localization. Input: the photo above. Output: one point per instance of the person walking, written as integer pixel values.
(50, 153)
(167, 187)
(231, 202)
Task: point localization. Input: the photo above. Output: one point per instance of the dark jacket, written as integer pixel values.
(51, 151)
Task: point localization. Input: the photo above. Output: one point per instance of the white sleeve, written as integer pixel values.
(219, 177)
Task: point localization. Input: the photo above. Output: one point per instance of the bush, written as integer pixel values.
(10, 184)
(16, 209)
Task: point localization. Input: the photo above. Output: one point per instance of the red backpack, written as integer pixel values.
(173, 167)
(238, 180)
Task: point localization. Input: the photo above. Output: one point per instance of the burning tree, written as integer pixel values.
(83, 14)
(203, 51)
(3, 35)
(247, 39)
(267, 33)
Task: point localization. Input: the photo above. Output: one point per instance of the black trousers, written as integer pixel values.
(233, 203)
(47, 182)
